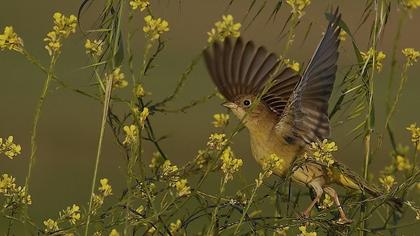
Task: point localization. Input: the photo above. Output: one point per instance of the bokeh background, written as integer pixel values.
(69, 127)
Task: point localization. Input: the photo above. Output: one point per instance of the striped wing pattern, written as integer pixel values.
(305, 118)
(241, 68)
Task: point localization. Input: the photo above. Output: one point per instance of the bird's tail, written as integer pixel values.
(349, 179)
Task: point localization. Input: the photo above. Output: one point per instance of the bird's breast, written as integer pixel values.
(264, 145)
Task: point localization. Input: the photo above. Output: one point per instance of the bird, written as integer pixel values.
(285, 112)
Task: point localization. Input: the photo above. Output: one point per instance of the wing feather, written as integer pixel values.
(305, 117)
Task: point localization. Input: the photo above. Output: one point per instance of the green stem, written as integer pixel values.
(99, 150)
(37, 116)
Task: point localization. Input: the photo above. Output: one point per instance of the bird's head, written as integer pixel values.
(248, 109)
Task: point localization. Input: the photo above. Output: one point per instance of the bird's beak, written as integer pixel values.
(230, 105)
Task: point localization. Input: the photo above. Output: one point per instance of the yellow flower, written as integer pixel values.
(175, 227)
(379, 57)
(220, 120)
(169, 171)
(271, 163)
(130, 134)
(415, 134)
(8, 148)
(322, 152)
(304, 232)
(105, 188)
(282, 231)
(342, 36)
(142, 4)
(117, 77)
(143, 116)
(411, 54)
(223, 29)
(13, 193)
(155, 27)
(10, 40)
(217, 141)
(230, 164)
(298, 6)
(139, 91)
(94, 47)
(63, 27)
(71, 213)
(292, 64)
(50, 226)
(411, 4)
(402, 163)
(140, 209)
(182, 188)
(327, 202)
(387, 182)
(114, 232)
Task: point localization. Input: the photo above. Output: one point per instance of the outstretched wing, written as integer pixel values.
(305, 118)
(239, 69)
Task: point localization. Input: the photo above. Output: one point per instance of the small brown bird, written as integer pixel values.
(285, 112)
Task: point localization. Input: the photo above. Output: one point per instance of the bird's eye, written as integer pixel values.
(247, 102)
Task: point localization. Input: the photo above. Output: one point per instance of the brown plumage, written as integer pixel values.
(290, 111)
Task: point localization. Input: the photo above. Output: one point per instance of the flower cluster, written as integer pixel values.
(379, 57)
(415, 135)
(387, 182)
(72, 214)
(322, 152)
(117, 78)
(8, 148)
(142, 4)
(411, 54)
(154, 28)
(217, 141)
(51, 226)
(269, 164)
(10, 40)
(14, 195)
(174, 228)
(327, 202)
(411, 4)
(304, 232)
(220, 120)
(292, 64)
(182, 188)
(402, 163)
(131, 133)
(223, 29)
(230, 164)
(94, 47)
(171, 173)
(63, 27)
(298, 6)
(105, 190)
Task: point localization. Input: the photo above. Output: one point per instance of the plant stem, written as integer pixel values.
(98, 153)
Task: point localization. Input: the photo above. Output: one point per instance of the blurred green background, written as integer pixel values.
(69, 127)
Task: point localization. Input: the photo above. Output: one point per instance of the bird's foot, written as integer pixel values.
(344, 221)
